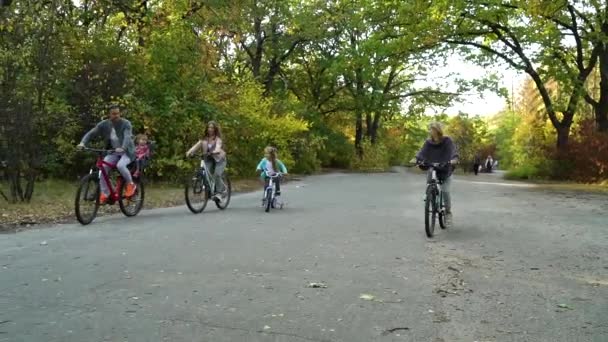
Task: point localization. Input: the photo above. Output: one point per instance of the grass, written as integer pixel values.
(527, 173)
(53, 202)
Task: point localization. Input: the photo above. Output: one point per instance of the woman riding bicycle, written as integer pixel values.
(440, 149)
(214, 154)
(117, 133)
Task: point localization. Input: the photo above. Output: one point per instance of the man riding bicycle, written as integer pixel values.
(440, 149)
(117, 133)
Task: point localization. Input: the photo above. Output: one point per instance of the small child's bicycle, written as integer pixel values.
(270, 199)
(87, 196)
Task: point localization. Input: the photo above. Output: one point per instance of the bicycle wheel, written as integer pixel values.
(430, 212)
(131, 206)
(268, 199)
(223, 203)
(87, 199)
(442, 221)
(196, 194)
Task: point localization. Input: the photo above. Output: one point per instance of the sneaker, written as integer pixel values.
(131, 187)
(103, 198)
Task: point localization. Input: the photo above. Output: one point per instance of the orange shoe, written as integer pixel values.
(103, 198)
(131, 187)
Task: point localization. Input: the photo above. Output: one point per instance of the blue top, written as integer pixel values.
(266, 165)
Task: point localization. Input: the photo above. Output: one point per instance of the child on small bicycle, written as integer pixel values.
(270, 165)
(142, 152)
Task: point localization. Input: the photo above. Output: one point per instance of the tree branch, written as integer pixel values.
(193, 10)
(591, 100)
(422, 92)
(584, 18)
(577, 38)
(293, 46)
(490, 50)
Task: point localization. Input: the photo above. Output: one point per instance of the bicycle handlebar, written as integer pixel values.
(435, 165)
(275, 175)
(202, 155)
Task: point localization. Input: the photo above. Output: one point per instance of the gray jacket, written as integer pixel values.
(123, 131)
(441, 152)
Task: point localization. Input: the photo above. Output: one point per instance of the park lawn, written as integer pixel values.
(53, 202)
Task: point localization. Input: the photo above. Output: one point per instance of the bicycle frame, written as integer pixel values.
(436, 183)
(271, 187)
(208, 179)
(99, 164)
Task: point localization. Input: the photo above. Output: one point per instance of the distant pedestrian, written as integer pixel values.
(489, 164)
(476, 164)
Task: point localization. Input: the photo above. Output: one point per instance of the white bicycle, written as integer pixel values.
(270, 198)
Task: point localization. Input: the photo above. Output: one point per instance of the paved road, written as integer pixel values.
(520, 264)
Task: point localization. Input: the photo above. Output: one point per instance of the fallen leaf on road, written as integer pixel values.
(392, 330)
(564, 306)
(452, 268)
(367, 297)
(317, 285)
(44, 243)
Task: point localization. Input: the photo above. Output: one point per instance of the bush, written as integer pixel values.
(304, 150)
(375, 157)
(336, 151)
(524, 172)
(586, 159)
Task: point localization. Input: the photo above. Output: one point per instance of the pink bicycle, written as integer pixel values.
(87, 197)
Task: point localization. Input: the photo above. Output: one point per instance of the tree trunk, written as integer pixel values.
(374, 131)
(359, 134)
(256, 58)
(601, 108)
(563, 135)
(273, 70)
(29, 188)
(368, 125)
(15, 185)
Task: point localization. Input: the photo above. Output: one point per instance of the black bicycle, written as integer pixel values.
(434, 206)
(201, 186)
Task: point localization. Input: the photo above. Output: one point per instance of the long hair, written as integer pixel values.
(272, 154)
(218, 131)
(438, 127)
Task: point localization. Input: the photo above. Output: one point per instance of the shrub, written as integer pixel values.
(375, 157)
